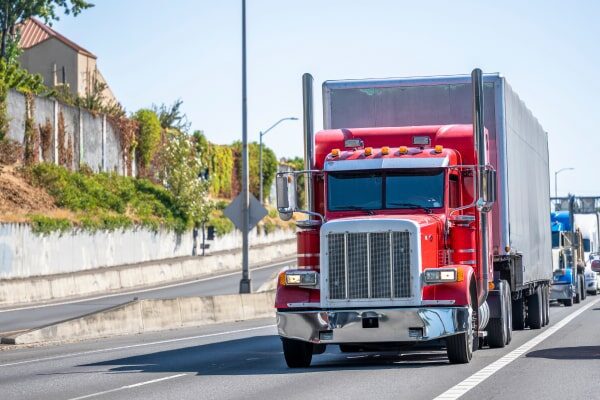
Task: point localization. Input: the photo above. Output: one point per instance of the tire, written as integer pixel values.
(509, 322)
(568, 302)
(534, 310)
(297, 354)
(518, 314)
(577, 299)
(498, 335)
(349, 348)
(460, 347)
(583, 289)
(546, 300)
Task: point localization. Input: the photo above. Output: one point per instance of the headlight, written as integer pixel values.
(299, 278)
(442, 275)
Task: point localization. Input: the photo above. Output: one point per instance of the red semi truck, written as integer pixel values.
(428, 219)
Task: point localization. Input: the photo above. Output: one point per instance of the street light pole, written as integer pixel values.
(556, 179)
(260, 154)
(245, 285)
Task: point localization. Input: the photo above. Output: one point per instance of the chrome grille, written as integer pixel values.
(374, 265)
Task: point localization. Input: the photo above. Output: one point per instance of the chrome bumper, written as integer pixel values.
(371, 326)
(563, 291)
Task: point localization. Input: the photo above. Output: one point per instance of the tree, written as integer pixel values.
(172, 116)
(14, 12)
(148, 135)
(181, 174)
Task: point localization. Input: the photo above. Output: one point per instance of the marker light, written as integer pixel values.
(299, 278)
(403, 150)
(368, 151)
(335, 152)
(439, 148)
(385, 150)
(442, 275)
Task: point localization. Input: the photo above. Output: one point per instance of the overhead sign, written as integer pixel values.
(234, 212)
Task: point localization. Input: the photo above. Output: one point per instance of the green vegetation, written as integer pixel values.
(182, 168)
(106, 201)
(46, 225)
(269, 167)
(148, 136)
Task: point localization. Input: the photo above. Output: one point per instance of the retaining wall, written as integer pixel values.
(25, 254)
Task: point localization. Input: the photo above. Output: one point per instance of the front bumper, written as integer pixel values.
(563, 291)
(374, 325)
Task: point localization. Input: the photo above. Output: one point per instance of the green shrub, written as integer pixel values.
(108, 201)
(44, 225)
(148, 135)
(221, 223)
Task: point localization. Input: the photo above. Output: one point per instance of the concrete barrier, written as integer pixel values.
(152, 315)
(18, 291)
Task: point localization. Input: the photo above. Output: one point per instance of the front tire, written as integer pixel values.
(460, 347)
(297, 354)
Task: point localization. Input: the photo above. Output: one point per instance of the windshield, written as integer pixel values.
(375, 190)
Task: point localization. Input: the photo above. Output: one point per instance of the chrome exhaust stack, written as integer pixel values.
(309, 150)
(479, 137)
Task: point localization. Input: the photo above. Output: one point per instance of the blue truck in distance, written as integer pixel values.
(568, 284)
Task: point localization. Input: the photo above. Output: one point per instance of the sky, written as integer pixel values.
(154, 52)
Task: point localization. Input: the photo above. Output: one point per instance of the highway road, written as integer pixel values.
(30, 317)
(244, 361)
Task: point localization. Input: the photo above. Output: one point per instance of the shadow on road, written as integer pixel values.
(568, 353)
(262, 355)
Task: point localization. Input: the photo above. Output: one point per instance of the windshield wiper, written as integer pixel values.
(412, 205)
(356, 208)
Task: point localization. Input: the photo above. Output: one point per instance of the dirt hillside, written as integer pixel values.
(18, 198)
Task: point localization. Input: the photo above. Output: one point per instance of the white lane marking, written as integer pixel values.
(87, 396)
(478, 377)
(156, 288)
(82, 353)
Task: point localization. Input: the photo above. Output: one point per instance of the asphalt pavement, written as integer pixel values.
(31, 317)
(244, 361)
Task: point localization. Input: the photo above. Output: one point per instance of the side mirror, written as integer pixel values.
(488, 190)
(596, 266)
(286, 195)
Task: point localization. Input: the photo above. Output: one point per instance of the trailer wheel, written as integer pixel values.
(535, 310)
(297, 354)
(546, 303)
(583, 289)
(518, 314)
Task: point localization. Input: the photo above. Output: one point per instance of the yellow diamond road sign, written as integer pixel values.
(234, 212)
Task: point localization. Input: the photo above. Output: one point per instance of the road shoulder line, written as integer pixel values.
(472, 381)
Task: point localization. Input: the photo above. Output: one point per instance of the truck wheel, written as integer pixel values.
(460, 347)
(546, 302)
(298, 354)
(497, 329)
(509, 322)
(349, 348)
(518, 314)
(568, 302)
(583, 289)
(577, 292)
(534, 310)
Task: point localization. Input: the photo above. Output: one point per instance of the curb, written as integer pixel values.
(151, 315)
